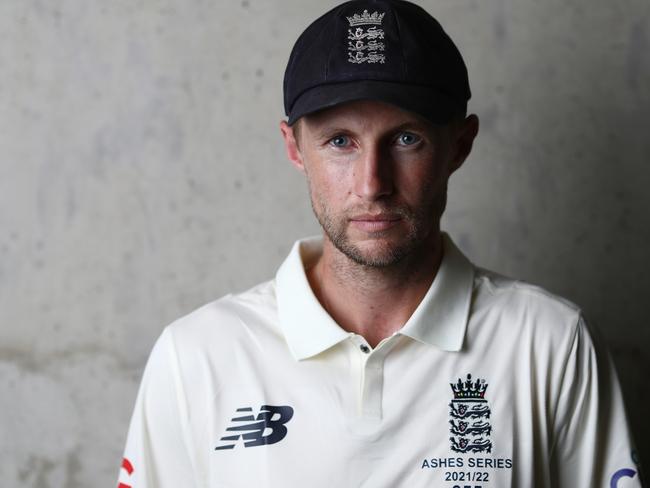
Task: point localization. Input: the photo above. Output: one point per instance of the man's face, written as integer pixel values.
(377, 178)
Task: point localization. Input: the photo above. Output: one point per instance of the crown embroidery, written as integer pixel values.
(469, 388)
(366, 19)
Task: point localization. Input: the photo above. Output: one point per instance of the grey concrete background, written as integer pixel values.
(142, 175)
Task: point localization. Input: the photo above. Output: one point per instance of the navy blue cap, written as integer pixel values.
(387, 50)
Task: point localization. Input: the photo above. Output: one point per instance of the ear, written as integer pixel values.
(291, 146)
(464, 135)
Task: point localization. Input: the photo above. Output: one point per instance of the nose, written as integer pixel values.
(373, 174)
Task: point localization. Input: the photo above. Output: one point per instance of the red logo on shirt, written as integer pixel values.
(128, 467)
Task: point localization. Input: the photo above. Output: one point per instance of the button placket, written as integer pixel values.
(372, 385)
(368, 369)
(372, 371)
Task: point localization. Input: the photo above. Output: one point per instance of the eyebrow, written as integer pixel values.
(330, 130)
(412, 124)
(333, 128)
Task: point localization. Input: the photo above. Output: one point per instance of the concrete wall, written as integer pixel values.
(142, 175)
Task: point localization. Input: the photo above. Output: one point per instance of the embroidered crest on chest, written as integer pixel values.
(469, 417)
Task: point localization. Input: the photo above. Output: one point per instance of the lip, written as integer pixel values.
(374, 223)
(375, 218)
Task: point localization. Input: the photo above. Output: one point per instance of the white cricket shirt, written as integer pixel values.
(492, 383)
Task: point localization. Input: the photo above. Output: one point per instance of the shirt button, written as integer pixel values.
(365, 349)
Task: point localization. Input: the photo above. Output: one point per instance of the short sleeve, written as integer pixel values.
(593, 446)
(157, 453)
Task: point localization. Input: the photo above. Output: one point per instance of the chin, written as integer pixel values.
(376, 253)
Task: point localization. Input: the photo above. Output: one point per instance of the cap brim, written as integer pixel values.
(425, 101)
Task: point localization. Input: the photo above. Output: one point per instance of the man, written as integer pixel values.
(379, 356)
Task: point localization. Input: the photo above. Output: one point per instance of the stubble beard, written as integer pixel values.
(419, 223)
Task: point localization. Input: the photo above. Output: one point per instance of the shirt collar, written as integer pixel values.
(439, 320)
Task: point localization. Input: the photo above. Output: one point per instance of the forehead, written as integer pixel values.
(367, 115)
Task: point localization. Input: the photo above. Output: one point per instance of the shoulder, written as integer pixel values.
(516, 303)
(231, 318)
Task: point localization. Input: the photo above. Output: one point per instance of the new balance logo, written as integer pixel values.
(267, 428)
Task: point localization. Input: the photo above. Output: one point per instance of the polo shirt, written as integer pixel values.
(491, 382)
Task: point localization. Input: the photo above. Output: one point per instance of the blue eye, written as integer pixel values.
(407, 139)
(340, 141)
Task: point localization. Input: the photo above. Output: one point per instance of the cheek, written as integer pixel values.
(322, 192)
(328, 179)
(421, 183)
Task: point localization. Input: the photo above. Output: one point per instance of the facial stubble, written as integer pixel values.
(420, 222)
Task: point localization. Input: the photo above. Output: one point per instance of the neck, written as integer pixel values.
(374, 302)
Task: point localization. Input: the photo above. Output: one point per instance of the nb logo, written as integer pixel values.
(267, 428)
